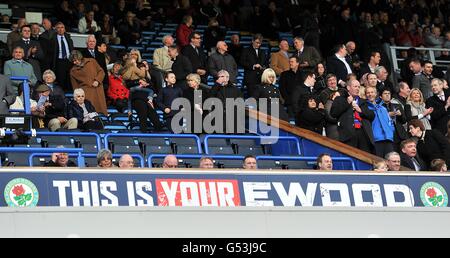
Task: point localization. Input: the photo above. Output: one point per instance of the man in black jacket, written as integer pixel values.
(409, 156)
(167, 96)
(34, 53)
(254, 61)
(60, 47)
(289, 81)
(354, 118)
(181, 67)
(195, 53)
(440, 102)
(303, 91)
(337, 64)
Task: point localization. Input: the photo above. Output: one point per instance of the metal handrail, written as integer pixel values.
(85, 155)
(80, 158)
(430, 52)
(252, 137)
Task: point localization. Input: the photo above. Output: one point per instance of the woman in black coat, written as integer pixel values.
(311, 115)
(431, 144)
(83, 110)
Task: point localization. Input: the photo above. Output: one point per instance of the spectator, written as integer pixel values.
(170, 161)
(109, 31)
(250, 163)
(117, 90)
(167, 96)
(87, 24)
(337, 65)
(212, 35)
(64, 13)
(104, 159)
(221, 60)
(18, 67)
(304, 91)
(354, 118)
(60, 159)
(398, 116)
(206, 163)
(332, 87)
(33, 51)
(382, 125)
(269, 93)
(196, 98)
(440, 102)
(353, 58)
(7, 95)
(84, 112)
(416, 109)
(320, 72)
(235, 48)
(311, 115)
(431, 144)
(331, 127)
(393, 161)
(403, 94)
(438, 165)
(61, 46)
(289, 81)
(88, 75)
(126, 162)
(161, 58)
(254, 61)
(308, 56)
(130, 30)
(184, 30)
(380, 166)
(422, 77)
(14, 35)
(181, 67)
(196, 55)
(383, 81)
(45, 39)
(324, 162)
(91, 51)
(279, 61)
(434, 40)
(372, 65)
(49, 78)
(409, 156)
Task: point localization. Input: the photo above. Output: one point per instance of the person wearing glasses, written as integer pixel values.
(195, 53)
(393, 161)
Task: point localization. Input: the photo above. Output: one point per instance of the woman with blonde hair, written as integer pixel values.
(267, 91)
(415, 108)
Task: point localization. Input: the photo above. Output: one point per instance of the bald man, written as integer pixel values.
(170, 161)
(126, 161)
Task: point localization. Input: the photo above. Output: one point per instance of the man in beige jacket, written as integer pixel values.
(279, 61)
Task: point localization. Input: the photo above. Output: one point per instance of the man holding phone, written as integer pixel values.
(60, 159)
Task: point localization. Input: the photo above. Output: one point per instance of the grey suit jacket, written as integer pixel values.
(422, 83)
(7, 95)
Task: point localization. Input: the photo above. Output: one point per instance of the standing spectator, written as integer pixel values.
(184, 30)
(88, 75)
(354, 118)
(353, 58)
(45, 41)
(167, 96)
(279, 61)
(161, 58)
(382, 125)
(130, 30)
(254, 62)
(403, 94)
(311, 115)
(409, 156)
(196, 98)
(87, 24)
(374, 62)
(308, 56)
(416, 109)
(346, 29)
(383, 81)
(337, 64)
(33, 51)
(117, 90)
(196, 55)
(422, 78)
(7, 95)
(324, 162)
(434, 40)
(91, 51)
(393, 161)
(398, 116)
(64, 13)
(18, 67)
(332, 87)
(269, 93)
(109, 31)
(320, 78)
(181, 67)
(304, 91)
(61, 46)
(440, 102)
(235, 48)
(212, 35)
(126, 162)
(431, 144)
(289, 81)
(84, 112)
(14, 35)
(250, 163)
(221, 60)
(331, 127)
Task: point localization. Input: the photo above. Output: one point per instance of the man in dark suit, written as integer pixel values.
(91, 51)
(7, 95)
(337, 65)
(254, 61)
(195, 53)
(289, 81)
(440, 102)
(181, 67)
(383, 81)
(302, 91)
(354, 118)
(409, 156)
(309, 56)
(32, 49)
(60, 47)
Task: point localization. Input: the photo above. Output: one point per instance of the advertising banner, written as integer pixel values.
(76, 188)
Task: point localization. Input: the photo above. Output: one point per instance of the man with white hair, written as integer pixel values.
(91, 51)
(393, 161)
(221, 60)
(161, 58)
(126, 161)
(170, 161)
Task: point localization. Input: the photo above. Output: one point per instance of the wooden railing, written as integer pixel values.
(314, 137)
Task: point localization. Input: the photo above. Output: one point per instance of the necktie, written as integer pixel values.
(196, 50)
(63, 48)
(442, 97)
(27, 42)
(92, 53)
(416, 164)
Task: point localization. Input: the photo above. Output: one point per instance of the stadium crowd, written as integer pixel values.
(347, 94)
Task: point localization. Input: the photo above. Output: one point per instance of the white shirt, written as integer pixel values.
(65, 43)
(349, 70)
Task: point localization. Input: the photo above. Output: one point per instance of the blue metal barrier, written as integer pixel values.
(214, 157)
(253, 137)
(80, 158)
(281, 158)
(26, 94)
(169, 136)
(85, 155)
